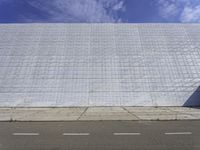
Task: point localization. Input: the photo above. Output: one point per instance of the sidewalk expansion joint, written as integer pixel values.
(82, 113)
(130, 113)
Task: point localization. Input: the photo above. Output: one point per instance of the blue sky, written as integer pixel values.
(95, 11)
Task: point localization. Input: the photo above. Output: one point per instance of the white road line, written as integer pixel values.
(26, 134)
(178, 133)
(76, 134)
(126, 134)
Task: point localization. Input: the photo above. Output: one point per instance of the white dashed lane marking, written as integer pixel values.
(118, 134)
(178, 133)
(76, 134)
(26, 134)
(87, 134)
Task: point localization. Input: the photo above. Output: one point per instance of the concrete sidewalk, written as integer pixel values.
(99, 113)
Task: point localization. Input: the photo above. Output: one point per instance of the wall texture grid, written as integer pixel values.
(99, 65)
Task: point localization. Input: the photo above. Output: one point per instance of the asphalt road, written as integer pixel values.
(100, 135)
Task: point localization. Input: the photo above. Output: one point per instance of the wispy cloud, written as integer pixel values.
(80, 10)
(181, 10)
(191, 14)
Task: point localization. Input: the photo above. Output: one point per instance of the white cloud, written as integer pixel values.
(80, 10)
(118, 6)
(191, 14)
(181, 10)
(168, 9)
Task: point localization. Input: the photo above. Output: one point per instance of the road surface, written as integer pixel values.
(100, 135)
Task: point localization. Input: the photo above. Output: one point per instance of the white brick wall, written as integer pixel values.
(99, 64)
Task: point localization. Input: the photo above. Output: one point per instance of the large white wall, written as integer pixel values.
(99, 65)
